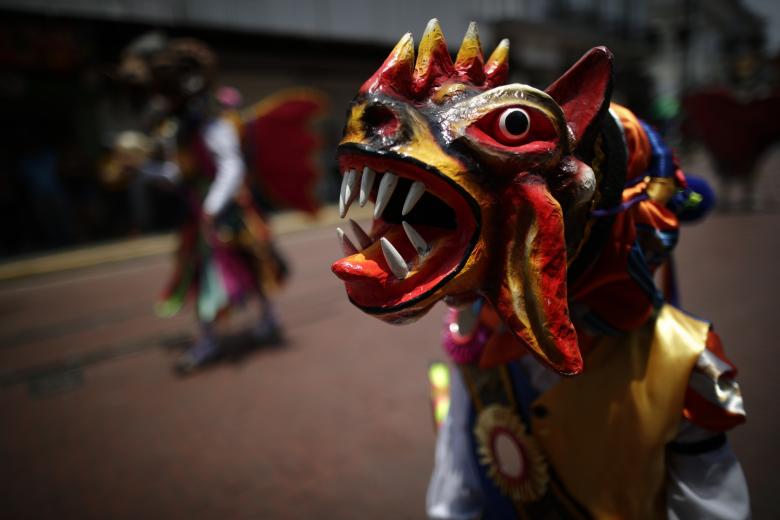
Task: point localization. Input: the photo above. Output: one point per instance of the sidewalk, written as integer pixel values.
(130, 248)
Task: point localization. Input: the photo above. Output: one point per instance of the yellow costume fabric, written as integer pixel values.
(605, 431)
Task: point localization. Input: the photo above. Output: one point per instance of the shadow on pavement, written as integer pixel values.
(234, 348)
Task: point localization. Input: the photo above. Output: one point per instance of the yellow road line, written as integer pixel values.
(281, 224)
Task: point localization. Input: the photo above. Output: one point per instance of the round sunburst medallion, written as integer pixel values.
(513, 459)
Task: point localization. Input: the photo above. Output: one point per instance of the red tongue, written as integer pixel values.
(370, 282)
(363, 266)
(370, 263)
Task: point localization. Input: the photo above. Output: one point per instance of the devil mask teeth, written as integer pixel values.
(401, 202)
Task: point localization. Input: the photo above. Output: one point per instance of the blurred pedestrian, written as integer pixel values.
(225, 254)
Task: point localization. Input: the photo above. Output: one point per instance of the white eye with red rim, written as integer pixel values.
(513, 124)
(516, 129)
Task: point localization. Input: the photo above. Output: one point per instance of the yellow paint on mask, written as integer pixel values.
(353, 131)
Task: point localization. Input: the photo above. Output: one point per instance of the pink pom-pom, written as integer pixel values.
(229, 97)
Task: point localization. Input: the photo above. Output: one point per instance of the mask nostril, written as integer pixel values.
(380, 121)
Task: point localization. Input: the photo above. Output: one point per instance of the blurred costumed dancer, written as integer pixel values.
(215, 156)
(738, 125)
(540, 217)
(737, 134)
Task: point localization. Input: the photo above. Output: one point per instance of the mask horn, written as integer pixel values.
(395, 75)
(497, 66)
(434, 64)
(583, 92)
(470, 65)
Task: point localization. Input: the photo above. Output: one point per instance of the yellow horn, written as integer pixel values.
(395, 74)
(470, 62)
(403, 52)
(497, 66)
(433, 57)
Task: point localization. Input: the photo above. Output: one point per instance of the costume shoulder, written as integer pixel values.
(713, 399)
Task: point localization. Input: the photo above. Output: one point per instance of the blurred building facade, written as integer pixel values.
(545, 32)
(57, 59)
(702, 44)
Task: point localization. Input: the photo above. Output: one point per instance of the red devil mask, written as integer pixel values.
(476, 185)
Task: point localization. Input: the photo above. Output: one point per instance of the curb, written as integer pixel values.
(133, 248)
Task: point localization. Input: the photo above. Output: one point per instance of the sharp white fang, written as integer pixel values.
(386, 187)
(394, 259)
(419, 243)
(342, 207)
(346, 244)
(348, 192)
(362, 237)
(366, 184)
(415, 192)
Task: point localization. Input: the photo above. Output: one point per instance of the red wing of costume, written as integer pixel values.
(279, 147)
(225, 267)
(737, 134)
(540, 217)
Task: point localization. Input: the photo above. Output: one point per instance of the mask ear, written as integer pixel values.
(584, 91)
(531, 297)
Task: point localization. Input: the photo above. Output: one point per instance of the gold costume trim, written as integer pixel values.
(531, 482)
